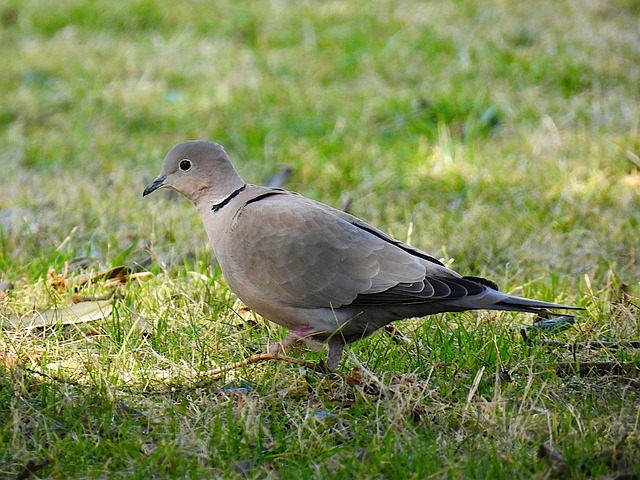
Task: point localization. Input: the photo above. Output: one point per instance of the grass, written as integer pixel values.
(501, 138)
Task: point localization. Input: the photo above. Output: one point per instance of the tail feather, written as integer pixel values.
(520, 304)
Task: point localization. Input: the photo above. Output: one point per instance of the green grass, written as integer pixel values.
(501, 138)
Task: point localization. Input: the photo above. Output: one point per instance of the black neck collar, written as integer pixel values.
(218, 206)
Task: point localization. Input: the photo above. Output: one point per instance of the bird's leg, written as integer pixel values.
(334, 355)
(300, 334)
(335, 345)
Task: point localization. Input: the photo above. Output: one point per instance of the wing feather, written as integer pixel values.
(309, 255)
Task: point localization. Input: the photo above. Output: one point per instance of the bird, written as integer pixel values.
(325, 275)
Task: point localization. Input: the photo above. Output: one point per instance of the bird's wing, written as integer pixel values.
(309, 255)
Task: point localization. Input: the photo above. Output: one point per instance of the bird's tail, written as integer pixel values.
(520, 304)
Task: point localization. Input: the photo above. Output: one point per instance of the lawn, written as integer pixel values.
(501, 137)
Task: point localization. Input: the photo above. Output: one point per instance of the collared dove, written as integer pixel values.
(323, 274)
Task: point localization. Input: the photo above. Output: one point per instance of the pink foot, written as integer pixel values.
(300, 334)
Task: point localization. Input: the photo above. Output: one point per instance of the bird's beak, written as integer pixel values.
(155, 185)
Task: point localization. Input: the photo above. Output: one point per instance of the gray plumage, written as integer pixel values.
(319, 272)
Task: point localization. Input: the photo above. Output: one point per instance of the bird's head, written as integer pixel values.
(197, 167)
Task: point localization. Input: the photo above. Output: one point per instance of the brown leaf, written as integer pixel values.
(112, 276)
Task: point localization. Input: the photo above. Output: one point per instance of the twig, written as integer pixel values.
(260, 357)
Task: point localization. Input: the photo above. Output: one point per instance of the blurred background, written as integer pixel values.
(502, 135)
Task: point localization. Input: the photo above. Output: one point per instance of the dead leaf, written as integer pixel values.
(112, 277)
(78, 313)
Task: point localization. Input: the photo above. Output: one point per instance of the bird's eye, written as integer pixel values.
(185, 165)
